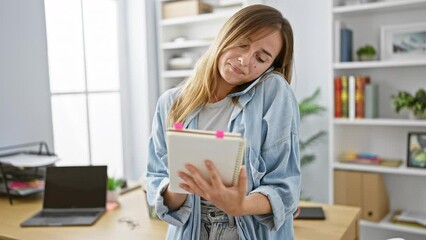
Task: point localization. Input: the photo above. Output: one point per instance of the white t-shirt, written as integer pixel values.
(215, 116)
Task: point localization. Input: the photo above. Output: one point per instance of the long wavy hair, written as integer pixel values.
(253, 22)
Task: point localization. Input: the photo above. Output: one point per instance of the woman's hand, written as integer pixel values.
(230, 199)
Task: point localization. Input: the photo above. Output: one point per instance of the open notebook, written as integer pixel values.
(226, 150)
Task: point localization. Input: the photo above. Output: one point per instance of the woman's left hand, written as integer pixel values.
(229, 199)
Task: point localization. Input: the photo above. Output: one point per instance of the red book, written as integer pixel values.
(337, 97)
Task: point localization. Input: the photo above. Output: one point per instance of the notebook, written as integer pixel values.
(226, 150)
(72, 196)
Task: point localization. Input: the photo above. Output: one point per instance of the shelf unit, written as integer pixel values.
(385, 224)
(386, 135)
(190, 35)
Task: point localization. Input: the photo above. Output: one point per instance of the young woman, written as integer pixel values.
(241, 84)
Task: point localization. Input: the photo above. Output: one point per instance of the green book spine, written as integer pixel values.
(371, 101)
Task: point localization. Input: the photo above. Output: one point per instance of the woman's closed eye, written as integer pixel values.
(259, 59)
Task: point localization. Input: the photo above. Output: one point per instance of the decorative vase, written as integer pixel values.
(112, 195)
(366, 57)
(418, 116)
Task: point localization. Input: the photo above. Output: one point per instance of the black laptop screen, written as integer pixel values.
(75, 187)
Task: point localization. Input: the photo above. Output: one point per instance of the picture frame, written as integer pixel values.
(416, 150)
(403, 42)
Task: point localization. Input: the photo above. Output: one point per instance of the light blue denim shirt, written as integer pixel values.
(267, 115)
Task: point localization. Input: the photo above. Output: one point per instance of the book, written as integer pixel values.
(225, 150)
(371, 100)
(345, 45)
(351, 97)
(337, 26)
(337, 98)
(344, 95)
(409, 218)
(311, 213)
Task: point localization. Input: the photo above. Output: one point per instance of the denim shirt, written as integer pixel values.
(267, 115)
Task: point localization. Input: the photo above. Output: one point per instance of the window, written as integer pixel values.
(83, 53)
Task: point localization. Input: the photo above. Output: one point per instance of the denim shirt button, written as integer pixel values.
(212, 214)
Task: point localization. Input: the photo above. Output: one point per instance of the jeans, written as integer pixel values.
(216, 224)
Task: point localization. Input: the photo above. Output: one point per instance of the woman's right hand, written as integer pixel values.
(173, 200)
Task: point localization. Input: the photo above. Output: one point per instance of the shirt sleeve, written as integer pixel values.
(157, 176)
(281, 183)
(277, 165)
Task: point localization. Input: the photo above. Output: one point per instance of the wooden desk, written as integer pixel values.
(132, 205)
(341, 223)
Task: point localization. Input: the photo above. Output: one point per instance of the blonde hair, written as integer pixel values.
(253, 22)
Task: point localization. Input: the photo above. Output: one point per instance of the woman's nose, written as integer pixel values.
(242, 60)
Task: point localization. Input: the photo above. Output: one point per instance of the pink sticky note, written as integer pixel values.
(220, 134)
(178, 126)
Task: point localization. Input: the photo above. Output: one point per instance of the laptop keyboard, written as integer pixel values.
(69, 214)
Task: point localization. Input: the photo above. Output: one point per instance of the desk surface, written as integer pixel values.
(341, 222)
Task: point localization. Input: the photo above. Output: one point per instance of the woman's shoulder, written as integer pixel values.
(274, 84)
(167, 98)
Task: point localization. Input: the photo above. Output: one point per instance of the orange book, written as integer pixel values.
(337, 97)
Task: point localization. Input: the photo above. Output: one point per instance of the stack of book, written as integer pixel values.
(355, 97)
(23, 188)
(410, 218)
(368, 158)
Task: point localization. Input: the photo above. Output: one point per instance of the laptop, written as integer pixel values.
(73, 196)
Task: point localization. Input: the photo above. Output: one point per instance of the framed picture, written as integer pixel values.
(416, 156)
(407, 41)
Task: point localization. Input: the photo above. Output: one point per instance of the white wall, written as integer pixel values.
(25, 113)
(311, 22)
(142, 88)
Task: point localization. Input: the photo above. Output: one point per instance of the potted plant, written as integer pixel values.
(114, 186)
(416, 104)
(366, 53)
(309, 106)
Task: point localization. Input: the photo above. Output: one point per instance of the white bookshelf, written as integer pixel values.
(379, 64)
(386, 224)
(402, 170)
(185, 44)
(378, 7)
(190, 36)
(381, 122)
(207, 17)
(386, 135)
(177, 73)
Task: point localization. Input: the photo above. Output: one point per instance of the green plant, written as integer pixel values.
(308, 107)
(366, 50)
(416, 103)
(114, 183)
